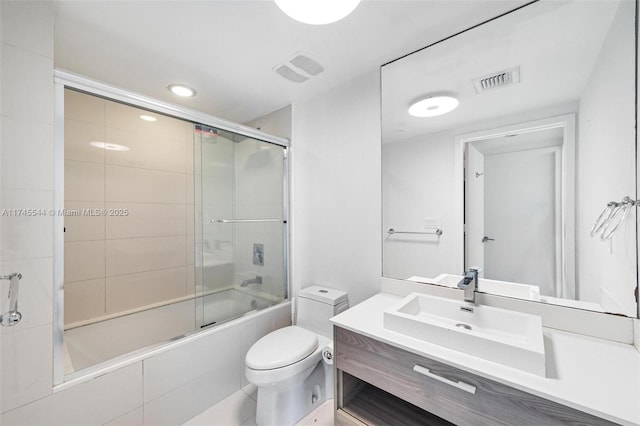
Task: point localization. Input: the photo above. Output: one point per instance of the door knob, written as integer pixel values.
(485, 239)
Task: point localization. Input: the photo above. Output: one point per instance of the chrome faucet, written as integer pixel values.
(256, 280)
(469, 284)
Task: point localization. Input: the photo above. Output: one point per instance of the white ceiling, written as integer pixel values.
(226, 50)
(555, 44)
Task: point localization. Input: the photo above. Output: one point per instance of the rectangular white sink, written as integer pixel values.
(510, 338)
(500, 288)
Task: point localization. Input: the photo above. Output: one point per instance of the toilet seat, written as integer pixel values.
(283, 347)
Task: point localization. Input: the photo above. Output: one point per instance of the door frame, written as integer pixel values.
(566, 284)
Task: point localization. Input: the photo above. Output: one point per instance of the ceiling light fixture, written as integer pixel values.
(181, 90)
(317, 12)
(148, 118)
(110, 146)
(433, 106)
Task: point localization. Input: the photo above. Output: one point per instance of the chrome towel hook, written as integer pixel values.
(611, 217)
(12, 316)
(604, 218)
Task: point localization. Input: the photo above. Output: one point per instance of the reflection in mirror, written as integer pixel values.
(513, 179)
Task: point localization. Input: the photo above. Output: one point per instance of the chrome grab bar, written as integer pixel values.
(12, 316)
(436, 231)
(244, 220)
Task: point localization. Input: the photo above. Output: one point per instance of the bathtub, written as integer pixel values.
(96, 343)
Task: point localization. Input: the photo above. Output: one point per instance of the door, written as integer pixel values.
(525, 249)
(242, 197)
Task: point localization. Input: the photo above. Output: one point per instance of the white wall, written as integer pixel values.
(606, 120)
(336, 189)
(418, 182)
(277, 123)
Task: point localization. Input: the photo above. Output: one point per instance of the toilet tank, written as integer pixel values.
(316, 305)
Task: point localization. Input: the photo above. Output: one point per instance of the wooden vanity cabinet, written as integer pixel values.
(377, 383)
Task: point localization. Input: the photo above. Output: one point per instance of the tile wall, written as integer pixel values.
(26, 182)
(141, 252)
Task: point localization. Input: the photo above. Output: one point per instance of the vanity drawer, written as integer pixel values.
(450, 393)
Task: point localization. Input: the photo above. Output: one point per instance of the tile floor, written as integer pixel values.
(239, 409)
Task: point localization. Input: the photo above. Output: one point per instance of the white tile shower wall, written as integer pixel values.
(16, 172)
(142, 256)
(336, 192)
(26, 118)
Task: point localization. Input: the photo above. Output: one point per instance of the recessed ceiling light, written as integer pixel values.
(181, 90)
(317, 12)
(148, 118)
(110, 146)
(433, 106)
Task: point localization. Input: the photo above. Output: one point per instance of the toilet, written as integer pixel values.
(287, 365)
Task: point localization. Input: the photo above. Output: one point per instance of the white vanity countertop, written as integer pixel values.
(596, 376)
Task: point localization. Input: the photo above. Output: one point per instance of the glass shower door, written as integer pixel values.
(242, 244)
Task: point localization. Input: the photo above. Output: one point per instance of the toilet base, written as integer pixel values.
(284, 407)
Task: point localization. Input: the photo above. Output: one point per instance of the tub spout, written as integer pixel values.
(256, 280)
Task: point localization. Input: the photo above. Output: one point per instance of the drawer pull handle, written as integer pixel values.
(456, 384)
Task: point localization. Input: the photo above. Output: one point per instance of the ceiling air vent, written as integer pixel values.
(299, 68)
(497, 80)
(290, 74)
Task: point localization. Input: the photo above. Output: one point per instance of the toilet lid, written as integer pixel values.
(282, 347)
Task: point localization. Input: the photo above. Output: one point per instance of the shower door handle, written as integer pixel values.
(12, 316)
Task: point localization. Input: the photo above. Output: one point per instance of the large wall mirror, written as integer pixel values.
(511, 147)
